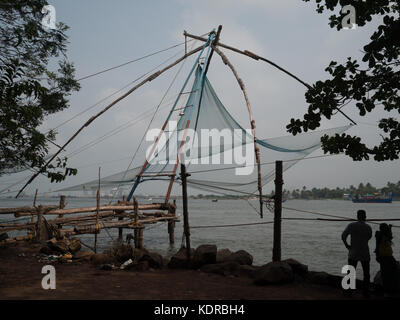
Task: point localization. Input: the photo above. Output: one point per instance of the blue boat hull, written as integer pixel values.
(372, 200)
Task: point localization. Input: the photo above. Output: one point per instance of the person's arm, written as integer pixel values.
(369, 233)
(345, 234)
(377, 239)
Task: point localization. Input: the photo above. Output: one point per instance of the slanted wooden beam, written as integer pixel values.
(50, 210)
(252, 123)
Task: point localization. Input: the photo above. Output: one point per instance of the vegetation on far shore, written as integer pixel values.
(321, 193)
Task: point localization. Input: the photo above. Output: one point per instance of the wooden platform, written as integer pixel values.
(89, 220)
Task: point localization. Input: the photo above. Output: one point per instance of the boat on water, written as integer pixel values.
(214, 200)
(374, 198)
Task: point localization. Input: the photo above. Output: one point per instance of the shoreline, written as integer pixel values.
(20, 279)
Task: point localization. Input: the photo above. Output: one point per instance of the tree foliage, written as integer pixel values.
(36, 80)
(370, 84)
(337, 193)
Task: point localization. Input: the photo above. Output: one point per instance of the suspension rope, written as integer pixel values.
(264, 163)
(114, 93)
(231, 225)
(134, 60)
(114, 131)
(335, 216)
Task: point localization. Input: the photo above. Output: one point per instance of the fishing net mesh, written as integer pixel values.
(218, 151)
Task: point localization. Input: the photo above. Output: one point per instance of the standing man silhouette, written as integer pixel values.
(360, 233)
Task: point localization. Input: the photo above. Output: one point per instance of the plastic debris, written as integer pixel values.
(126, 263)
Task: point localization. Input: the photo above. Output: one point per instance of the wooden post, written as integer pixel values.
(185, 208)
(252, 123)
(97, 215)
(34, 204)
(34, 199)
(42, 232)
(171, 224)
(140, 245)
(276, 251)
(39, 223)
(62, 202)
(120, 231)
(61, 206)
(136, 215)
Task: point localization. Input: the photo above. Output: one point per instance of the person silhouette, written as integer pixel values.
(384, 255)
(360, 233)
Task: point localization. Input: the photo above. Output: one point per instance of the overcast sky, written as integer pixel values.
(103, 34)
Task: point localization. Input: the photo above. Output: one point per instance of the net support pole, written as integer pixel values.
(252, 123)
(34, 204)
(186, 227)
(276, 250)
(97, 215)
(171, 224)
(136, 219)
(185, 132)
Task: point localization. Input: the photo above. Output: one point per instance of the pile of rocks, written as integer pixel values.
(128, 258)
(208, 259)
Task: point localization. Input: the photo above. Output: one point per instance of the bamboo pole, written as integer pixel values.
(34, 204)
(250, 55)
(39, 224)
(97, 215)
(87, 217)
(126, 224)
(35, 197)
(276, 250)
(171, 224)
(25, 209)
(172, 179)
(186, 227)
(252, 123)
(90, 220)
(135, 221)
(88, 122)
(62, 206)
(53, 210)
(62, 202)
(141, 230)
(213, 45)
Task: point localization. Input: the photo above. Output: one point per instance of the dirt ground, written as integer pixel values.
(20, 278)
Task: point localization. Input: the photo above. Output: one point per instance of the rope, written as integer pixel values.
(264, 163)
(348, 219)
(231, 225)
(131, 61)
(112, 132)
(114, 93)
(336, 216)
